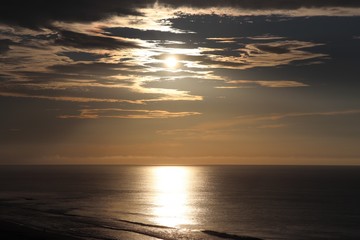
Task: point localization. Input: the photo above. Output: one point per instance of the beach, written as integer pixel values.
(14, 231)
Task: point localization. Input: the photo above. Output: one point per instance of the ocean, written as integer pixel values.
(184, 202)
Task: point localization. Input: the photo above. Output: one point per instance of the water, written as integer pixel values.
(153, 202)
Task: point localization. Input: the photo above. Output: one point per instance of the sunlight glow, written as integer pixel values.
(171, 62)
(171, 200)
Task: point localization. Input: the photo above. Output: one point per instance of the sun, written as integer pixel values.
(171, 62)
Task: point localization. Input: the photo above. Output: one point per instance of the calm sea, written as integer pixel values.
(181, 202)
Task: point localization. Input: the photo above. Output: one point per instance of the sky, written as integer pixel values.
(180, 82)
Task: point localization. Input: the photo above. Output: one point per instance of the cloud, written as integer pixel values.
(251, 55)
(270, 84)
(226, 128)
(264, 7)
(126, 113)
(42, 13)
(265, 37)
(272, 126)
(274, 117)
(224, 39)
(101, 60)
(5, 45)
(262, 4)
(269, 118)
(143, 66)
(261, 55)
(279, 49)
(128, 32)
(81, 40)
(68, 98)
(36, 14)
(92, 68)
(81, 56)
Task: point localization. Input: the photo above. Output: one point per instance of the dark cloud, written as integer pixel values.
(94, 70)
(148, 34)
(299, 28)
(99, 69)
(273, 49)
(263, 4)
(3, 77)
(83, 56)
(84, 41)
(50, 76)
(4, 45)
(42, 13)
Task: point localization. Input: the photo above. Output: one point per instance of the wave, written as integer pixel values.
(62, 221)
(145, 224)
(229, 236)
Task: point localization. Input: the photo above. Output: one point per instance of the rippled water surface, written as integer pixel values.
(200, 202)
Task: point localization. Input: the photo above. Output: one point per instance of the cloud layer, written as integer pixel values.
(92, 78)
(42, 13)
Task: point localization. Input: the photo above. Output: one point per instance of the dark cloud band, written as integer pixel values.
(263, 4)
(80, 40)
(42, 13)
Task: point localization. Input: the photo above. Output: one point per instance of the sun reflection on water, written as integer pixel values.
(171, 199)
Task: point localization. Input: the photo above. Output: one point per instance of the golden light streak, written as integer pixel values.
(171, 200)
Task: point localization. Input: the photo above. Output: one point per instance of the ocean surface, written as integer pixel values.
(184, 202)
